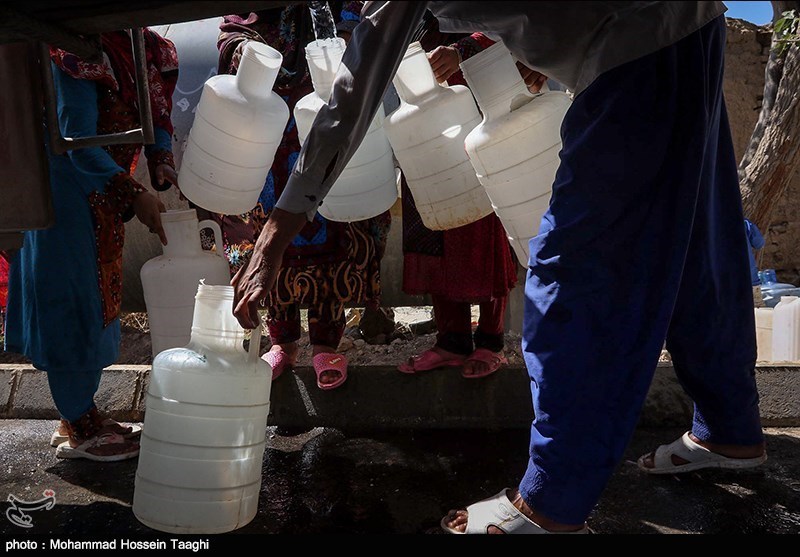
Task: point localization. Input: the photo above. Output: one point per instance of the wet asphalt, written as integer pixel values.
(326, 481)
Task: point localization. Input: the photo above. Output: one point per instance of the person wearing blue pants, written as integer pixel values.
(642, 243)
(756, 241)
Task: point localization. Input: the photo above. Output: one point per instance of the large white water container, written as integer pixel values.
(427, 133)
(204, 432)
(236, 131)
(786, 330)
(515, 149)
(368, 184)
(170, 280)
(764, 333)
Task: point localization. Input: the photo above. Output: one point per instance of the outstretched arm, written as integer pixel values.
(370, 61)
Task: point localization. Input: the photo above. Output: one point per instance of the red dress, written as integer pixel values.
(472, 263)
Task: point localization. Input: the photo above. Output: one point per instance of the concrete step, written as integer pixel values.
(379, 397)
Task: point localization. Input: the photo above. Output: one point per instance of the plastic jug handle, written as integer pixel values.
(255, 345)
(217, 235)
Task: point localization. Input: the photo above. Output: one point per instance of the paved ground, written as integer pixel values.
(328, 481)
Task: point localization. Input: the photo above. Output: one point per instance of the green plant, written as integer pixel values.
(787, 31)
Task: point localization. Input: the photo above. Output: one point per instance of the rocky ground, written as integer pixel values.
(404, 332)
(400, 334)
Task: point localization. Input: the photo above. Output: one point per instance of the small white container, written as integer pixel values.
(786, 330)
(170, 280)
(237, 128)
(764, 333)
(515, 149)
(427, 133)
(368, 184)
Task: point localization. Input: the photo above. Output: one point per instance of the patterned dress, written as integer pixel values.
(65, 283)
(329, 264)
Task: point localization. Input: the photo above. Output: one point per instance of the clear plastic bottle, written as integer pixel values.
(772, 290)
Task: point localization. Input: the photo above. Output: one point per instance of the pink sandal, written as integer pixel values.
(279, 361)
(494, 360)
(327, 361)
(428, 360)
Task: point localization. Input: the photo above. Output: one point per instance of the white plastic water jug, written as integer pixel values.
(236, 131)
(427, 133)
(203, 438)
(786, 330)
(764, 333)
(514, 150)
(170, 280)
(368, 184)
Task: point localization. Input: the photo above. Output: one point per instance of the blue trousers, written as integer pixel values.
(73, 391)
(643, 243)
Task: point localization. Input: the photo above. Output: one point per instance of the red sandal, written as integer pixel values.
(279, 361)
(493, 360)
(326, 361)
(428, 360)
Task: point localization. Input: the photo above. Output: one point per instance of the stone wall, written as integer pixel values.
(747, 52)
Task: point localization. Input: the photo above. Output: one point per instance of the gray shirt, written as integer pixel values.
(571, 42)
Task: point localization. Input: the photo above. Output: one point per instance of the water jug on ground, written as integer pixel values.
(368, 184)
(170, 280)
(786, 330)
(764, 333)
(237, 128)
(204, 432)
(427, 133)
(514, 150)
(772, 290)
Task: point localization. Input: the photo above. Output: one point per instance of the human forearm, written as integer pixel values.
(254, 280)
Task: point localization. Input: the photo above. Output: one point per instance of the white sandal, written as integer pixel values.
(697, 457)
(500, 512)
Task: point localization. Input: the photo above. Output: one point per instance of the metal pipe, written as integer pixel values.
(60, 145)
(142, 86)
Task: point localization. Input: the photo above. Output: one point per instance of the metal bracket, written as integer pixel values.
(143, 135)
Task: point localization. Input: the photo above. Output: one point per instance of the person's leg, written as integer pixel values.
(711, 338)
(95, 438)
(453, 337)
(326, 324)
(453, 325)
(606, 267)
(489, 339)
(73, 391)
(73, 395)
